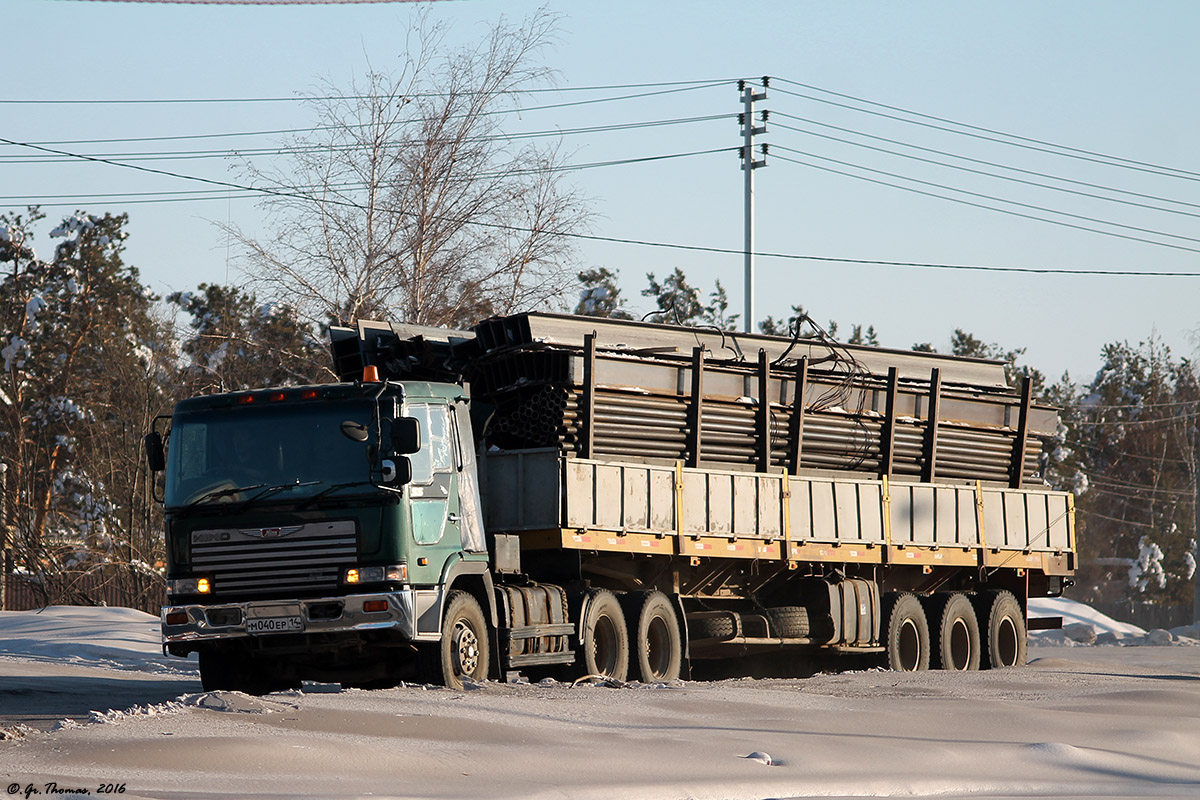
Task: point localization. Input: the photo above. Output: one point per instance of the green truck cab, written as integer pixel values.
(333, 518)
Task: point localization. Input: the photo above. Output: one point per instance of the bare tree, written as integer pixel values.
(409, 202)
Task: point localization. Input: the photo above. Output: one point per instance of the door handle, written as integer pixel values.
(453, 518)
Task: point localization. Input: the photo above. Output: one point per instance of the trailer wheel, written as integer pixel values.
(655, 639)
(603, 636)
(957, 645)
(1006, 636)
(907, 633)
(463, 650)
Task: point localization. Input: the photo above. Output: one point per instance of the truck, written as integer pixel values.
(574, 496)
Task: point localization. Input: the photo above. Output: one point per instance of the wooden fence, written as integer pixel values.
(111, 586)
(1147, 615)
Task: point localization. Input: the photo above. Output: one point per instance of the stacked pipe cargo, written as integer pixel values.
(604, 388)
(644, 405)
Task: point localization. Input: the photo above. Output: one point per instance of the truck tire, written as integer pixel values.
(956, 633)
(218, 671)
(654, 638)
(907, 630)
(788, 622)
(463, 651)
(233, 671)
(1005, 640)
(721, 626)
(604, 636)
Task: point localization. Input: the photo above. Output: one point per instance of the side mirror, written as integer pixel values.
(156, 458)
(355, 431)
(406, 435)
(396, 471)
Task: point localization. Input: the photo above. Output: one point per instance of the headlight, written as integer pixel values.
(177, 586)
(394, 572)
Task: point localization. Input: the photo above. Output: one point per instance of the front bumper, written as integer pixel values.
(229, 622)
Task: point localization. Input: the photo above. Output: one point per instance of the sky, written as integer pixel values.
(1109, 80)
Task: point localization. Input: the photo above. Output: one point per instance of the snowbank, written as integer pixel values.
(121, 638)
(1084, 625)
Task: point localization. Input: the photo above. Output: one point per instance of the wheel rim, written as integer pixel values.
(465, 648)
(658, 647)
(960, 645)
(604, 646)
(1006, 642)
(908, 647)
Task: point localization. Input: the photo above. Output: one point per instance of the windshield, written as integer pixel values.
(284, 451)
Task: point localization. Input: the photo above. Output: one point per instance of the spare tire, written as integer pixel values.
(718, 626)
(788, 622)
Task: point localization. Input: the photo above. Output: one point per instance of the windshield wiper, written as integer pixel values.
(333, 488)
(215, 493)
(270, 490)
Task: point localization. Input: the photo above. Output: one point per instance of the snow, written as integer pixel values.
(12, 353)
(1147, 568)
(117, 638)
(1075, 612)
(1080, 723)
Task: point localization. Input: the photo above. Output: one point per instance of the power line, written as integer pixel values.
(1091, 513)
(639, 242)
(1020, 141)
(247, 192)
(985, 172)
(183, 155)
(991, 197)
(694, 84)
(1119, 484)
(1117, 456)
(254, 2)
(981, 205)
(1139, 492)
(1171, 404)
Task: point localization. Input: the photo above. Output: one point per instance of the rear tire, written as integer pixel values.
(957, 644)
(1006, 640)
(907, 633)
(655, 639)
(604, 636)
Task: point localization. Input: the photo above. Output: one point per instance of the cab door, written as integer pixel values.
(433, 495)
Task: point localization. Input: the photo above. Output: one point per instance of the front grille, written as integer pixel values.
(255, 562)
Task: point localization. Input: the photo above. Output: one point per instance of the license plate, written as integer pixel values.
(274, 625)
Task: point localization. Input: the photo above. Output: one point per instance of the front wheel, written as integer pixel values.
(463, 650)
(238, 672)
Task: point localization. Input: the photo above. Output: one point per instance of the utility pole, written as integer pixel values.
(749, 131)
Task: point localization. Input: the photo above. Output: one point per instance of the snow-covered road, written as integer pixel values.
(1102, 721)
